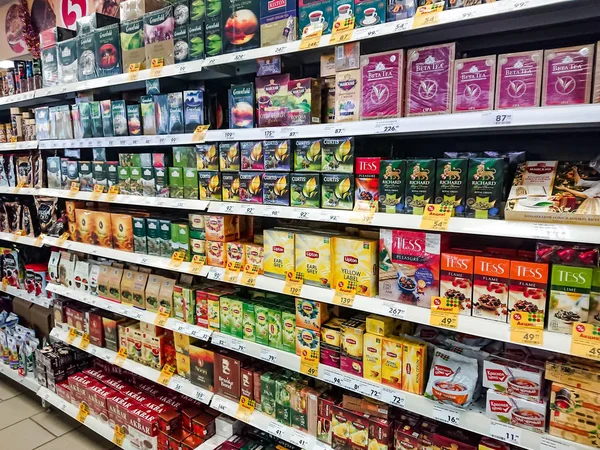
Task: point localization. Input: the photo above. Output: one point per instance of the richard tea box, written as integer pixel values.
(474, 84)
(429, 80)
(519, 80)
(420, 185)
(485, 188)
(451, 184)
(391, 185)
(278, 22)
(315, 13)
(382, 84)
(567, 75)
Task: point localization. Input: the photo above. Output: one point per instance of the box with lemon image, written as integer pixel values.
(305, 190)
(350, 430)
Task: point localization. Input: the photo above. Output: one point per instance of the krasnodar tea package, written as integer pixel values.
(567, 75)
(519, 80)
(474, 84)
(452, 379)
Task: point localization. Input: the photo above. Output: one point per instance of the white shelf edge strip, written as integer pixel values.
(23, 294)
(28, 381)
(23, 145)
(10, 237)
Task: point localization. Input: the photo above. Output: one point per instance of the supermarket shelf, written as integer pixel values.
(212, 443)
(130, 311)
(103, 429)
(177, 383)
(21, 293)
(17, 98)
(11, 146)
(28, 381)
(10, 237)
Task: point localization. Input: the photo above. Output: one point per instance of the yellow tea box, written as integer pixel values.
(307, 342)
(215, 253)
(122, 232)
(278, 257)
(313, 258)
(221, 228)
(414, 359)
(183, 365)
(254, 255)
(372, 357)
(331, 332)
(311, 314)
(236, 256)
(214, 311)
(355, 265)
(102, 229)
(85, 225)
(380, 325)
(391, 361)
(351, 358)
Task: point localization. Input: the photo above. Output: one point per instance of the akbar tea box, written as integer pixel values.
(305, 190)
(419, 185)
(474, 84)
(242, 28)
(304, 101)
(272, 100)
(347, 95)
(315, 13)
(567, 75)
(519, 80)
(355, 265)
(132, 44)
(382, 85)
(569, 297)
(391, 185)
(278, 22)
(451, 184)
(485, 188)
(429, 80)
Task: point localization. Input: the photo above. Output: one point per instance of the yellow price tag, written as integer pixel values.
(293, 284)
(309, 369)
(166, 374)
(250, 275)
(98, 191)
(344, 297)
(121, 357)
(444, 312)
(534, 336)
(585, 340)
(311, 39)
(527, 328)
(245, 409)
(134, 72)
(231, 276)
(162, 316)
(18, 234)
(62, 239)
(363, 212)
(113, 191)
(342, 31)
(176, 260)
(199, 134)
(118, 437)
(84, 411)
(309, 362)
(85, 342)
(156, 65)
(74, 188)
(13, 139)
(39, 241)
(71, 336)
(436, 217)
(428, 15)
(197, 264)
(4, 283)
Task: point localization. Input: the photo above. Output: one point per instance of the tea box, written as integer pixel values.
(161, 107)
(519, 79)
(382, 82)
(331, 335)
(311, 314)
(567, 75)
(132, 44)
(391, 362)
(202, 363)
(372, 359)
(251, 190)
(380, 325)
(513, 377)
(221, 228)
(213, 30)
(594, 309)
(451, 184)
(161, 182)
(278, 257)
(369, 12)
(355, 265)
(67, 60)
(485, 188)
(516, 411)
(252, 155)
(391, 185)
(569, 297)
(328, 110)
(419, 185)
(241, 105)
(347, 95)
(316, 14)
(346, 56)
(242, 28)
(305, 190)
(367, 179)
(276, 155)
(175, 113)
(107, 121)
(181, 45)
(176, 182)
(429, 80)
(278, 22)
(119, 117)
(148, 111)
(275, 325)
(207, 157)
(304, 101)
(134, 123)
(215, 254)
(456, 279)
(135, 181)
(248, 321)
(193, 106)
(307, 155)
(528, 286)
(108, 50)
(272, 100)
(409, 266)
(230, 182)
(229, 156)
(288, 329)
(414, 362)
(159, 46)
(574, 406)
(190, 183)
(313, 258)
(236, 307)
(352, 340)
(474, 84)
(276, 188)
(337, 191)
(490, 288)
(261, 313)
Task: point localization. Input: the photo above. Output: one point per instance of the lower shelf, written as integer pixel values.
(28, 381)
(21, 293)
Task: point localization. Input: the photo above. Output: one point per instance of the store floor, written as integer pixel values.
(25, 425)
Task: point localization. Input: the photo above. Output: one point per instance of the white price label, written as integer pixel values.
(550, 231)
(276, 429)
(230, 135)
(248, 210)
(332, 377)
(230, 208)
(393, 397)
(298, 438)
(370, 391)
(395, 310)
(505, 432)
(446, 415)
(200, 333)
(548, 443)
(268, 355)
(301, 213)
(237, 345)
(330, 216)
(351, 384)
(387, 127)
(497, 118)
(201, 396)
(221, 340)
(269, 134)
(218, 403)
(272, 211)
(215, 273)
(175, 384)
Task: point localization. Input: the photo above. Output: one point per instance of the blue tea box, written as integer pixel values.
(278, 22)
(193, 109)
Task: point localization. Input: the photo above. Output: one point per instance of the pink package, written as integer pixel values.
(518, 84)
(429, 80)
(596, 93)
(474, 83)
(382, 84)
(567, 75)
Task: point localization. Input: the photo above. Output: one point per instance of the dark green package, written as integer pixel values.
(451, 184)
(153, 239)
(213, 35)
(49, 67)
(148, 182)
(161, 176)
(198, 11)
(96, 117)
(67, 60)
(181, 47)
(119, 117)
(196, 40)
(307, 155)
(140, 240)
(124, 180)
(100, 174)
(112, 173)
(135, 181)
(338, 154)
(107, 120)
(485, 188)
(305, 190)
(164, 232)
(108, 50)
(190, 183)
(392, 173)
(86, 119)
(134, 121)
(230, 184)
(276, 188)
(419, 185)
(86, 176)
(337, 191)
(86, 59)
(184, 157)
(209, 185)
(176, 182)
(161, 110)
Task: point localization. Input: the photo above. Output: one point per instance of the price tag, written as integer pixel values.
(98, 191)
(62, 239)
(395, 398)
(250, 275)
(71, 336)
(85, 342)
(197, 264)
(342, 31)
(505, 432)
(444, 312)
(215, 273)
(118, 437)
(121, 357)
(245, 409)
(165, 375)
(363, 212)
(156, 66)
(585, 340)
(83, 412)
(344, 298)
(446, 415)
(113, 191)
(497, 118)
(4, 283)
(39, 241)
(18, 234)
(312, 39)
(221, 340)
(74, 188)
(395, 310)
(436, 217)
(237, 345)
(162, 316)
(219, 403)
(428, 15)
(276, 429)
(527, 328)
(232, 273)
(134, 72)
(199, 134)
(298, 438)
(268, 355)
(547, 443)
(176, 260)
(309, 362)
(293, 284)
(370, 390)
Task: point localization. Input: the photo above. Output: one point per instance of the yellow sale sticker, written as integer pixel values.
(312, 39)
(293, 284)
(83, 412)
(121, 357)
(199, 134)
(444, 312)
(342, 30)
(71, 336)
(162, 316)
(197, 264)
(245, 409)
(166, 374)
(85, 342)
(118, 437)
(428, 15)
(436, 217)
(585, 340)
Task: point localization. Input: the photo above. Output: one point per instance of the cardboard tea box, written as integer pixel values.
(315, 13)
(567, 75)
(419, 185)
(277, 155)
(278, 22)
(370, 12)
(451, 184)
(400, 9)
(175, 111)
(195, 33)
(474, 84)
(214, 36)
(337, 191)
(485, 188)
(242, 27)
(49, 58)
(304, 101)
(347, 95)
(67, 60)
(241, 105)
(193, 109)
(569, 297)
(519, 80)
(252, 155)
(159, 27)
(490, 288)
(93, 21)
(272, 100)
(337, 155)
(181, 46)
(305, 190)
(108, 50)
(307, 155)
(391, 185)
(366, 180)
(132, 44)
(382, 84)
(276, 188)
(251, 189)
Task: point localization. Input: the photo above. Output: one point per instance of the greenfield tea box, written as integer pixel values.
(251, 190)
(278, 22)
(519, 80)
(85, 116)
(119, 117)
(193, 109)
(161, 110)
(337, 191)
(276, 188)
(197, 10)
(451, 184)
(304, 101)
(567, 75)
(213, 42)
(485, 188)
(190, 183)
(86, 58)
(392, 173)
(96, 117)
(134, 123)
(307, 155)
(148, 109)
(181, 45)
(569, 297)
(209, 184)
(229, 156)
(241, 105)
(207, 157)
(338, 154)
(230, 184)
(305, 190)
(277, 155)
(176, 182)
(107, 118)
(108, 50)
(315, 12)
(67, 61)
(252, 155)
(159, 27)
(241, 26)
(420, 185)
(370, 12)
(272, 100)
(474, 84)
(132, 44)
(195, 41)
(175, 110)
(382, 84)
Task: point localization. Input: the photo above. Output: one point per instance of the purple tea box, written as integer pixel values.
(568, 75)
(382, 84)
(429, 80)
(474, 82)
(272, 100)
(251, 187)
(596, 93)
(519, 80)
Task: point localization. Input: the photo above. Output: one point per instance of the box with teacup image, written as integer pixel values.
(516, 378)
(315, 13)
(343, 10)
(370, 12)
(516, 411)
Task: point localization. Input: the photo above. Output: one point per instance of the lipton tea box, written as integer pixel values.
(490, 288)
(355, 265)
(221, 228)
(528, 287)
(391, 363)
(372, 357)
(409, 266)
(519, 80)
(456, 279)
(429, 80)
(414, 360)
(569, 297)
(474, 84)
(313, 258)
(382, 84)
(567, 75)
(278, 257)
(352, 341)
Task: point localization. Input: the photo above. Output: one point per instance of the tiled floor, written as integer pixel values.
(25, 425)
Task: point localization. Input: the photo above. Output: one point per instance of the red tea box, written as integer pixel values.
(272, 100)
(366, 181)
(474, 84)
(191, 442)
(567, 75)
(227, 376)
(204, 426)
(528, 286)
(456, 279)
(63, 390)
(79, 384)
(429, 80)
(381, 433)
(516, 411)
(135, 394)
(490, 288)
(247, 380)
(97, 396)
(519, 80)
(118, 406)
(382, 85)
(143, 428)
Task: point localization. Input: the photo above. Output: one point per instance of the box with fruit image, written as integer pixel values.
(108, 50)
(490, 288)
(277, 155)
(276, 188)
(159, 27)
(456, 279)
(252, 155)
(241, 25)
(251, 190)
(132, 44)
(528, 286)
(272, 100)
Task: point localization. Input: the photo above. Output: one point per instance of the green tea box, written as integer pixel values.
(392, 174)
(196, 41)
(140, 242)
(277, 155)
(207, 157)
(213, 32)
(134, 120)
(315, 13)
(241, 28)
(180, 235)
(85, 116)
(132, 45)
(594, 310)
(108, 50)
(107, 119)
(161, 177)
(124, 180)
(86, 177)
(236, 306)
(164, 234)
(369, 12)
(276, 188)
(148, 110)
(337, 191)
(209, 185)
(261, 313)
(288, 329)
(148, 182)
(176, 182)
(100, 174)
(175, 109)
(275, 325)
(119, 117)
(225, 314)
(569, 297)
(181, 45)
(135, 181)
(153, 236)
(159, 27)
(96, 117)
(230, 185)
(86, 57)
(485, 188)
(184, 156)
(190, 183)
(112, 169)
(337, 154)
(419, 187)
(282, 403)
(307, 155)
(268, 393)
(451, 184)
(67, 60)
(249, 321)
(305, 190)
(304, 101)
(197, 11)
(229, 156)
